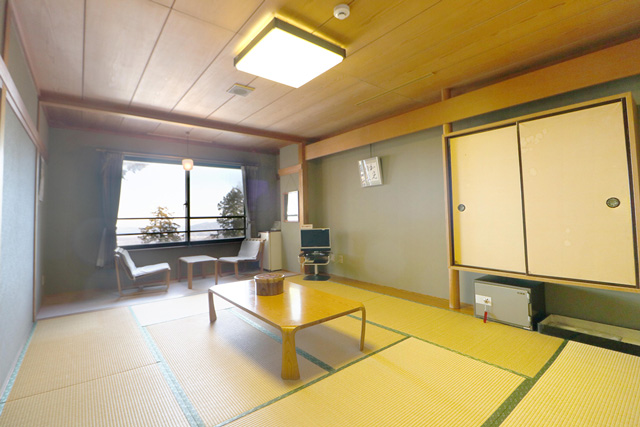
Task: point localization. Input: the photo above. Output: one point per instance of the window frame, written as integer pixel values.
(285, 207)
(187, 231)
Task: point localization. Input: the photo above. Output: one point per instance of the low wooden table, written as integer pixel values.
(296, 308)
(190, 261)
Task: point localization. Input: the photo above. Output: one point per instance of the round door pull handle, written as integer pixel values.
(613, 202)
(461, 207)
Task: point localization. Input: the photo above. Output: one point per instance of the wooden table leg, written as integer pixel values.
(216, 272)
(290, 369)
(212, 309)
(364, 323)
(190, 275)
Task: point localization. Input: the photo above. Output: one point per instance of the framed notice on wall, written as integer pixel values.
(370, 172)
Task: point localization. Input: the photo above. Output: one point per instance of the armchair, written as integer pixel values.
(124, 261)
(250, 251)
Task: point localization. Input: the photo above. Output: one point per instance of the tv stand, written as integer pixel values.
(315, 258)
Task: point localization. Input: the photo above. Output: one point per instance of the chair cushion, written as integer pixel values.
(249, 249)
(135, 272)
(235, 259)
(151, 269)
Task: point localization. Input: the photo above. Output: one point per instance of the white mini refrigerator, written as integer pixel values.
(511, 301)
(272, 253)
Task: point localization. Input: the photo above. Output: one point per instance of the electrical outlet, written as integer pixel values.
(340, 259)
(481, 299)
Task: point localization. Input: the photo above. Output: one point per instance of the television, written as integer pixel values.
(315, 239)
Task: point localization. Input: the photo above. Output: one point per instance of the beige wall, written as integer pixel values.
(21, 75)
(394, 234)
(17, 231)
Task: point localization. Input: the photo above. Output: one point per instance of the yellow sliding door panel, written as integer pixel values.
(487, 200)
(577, 196)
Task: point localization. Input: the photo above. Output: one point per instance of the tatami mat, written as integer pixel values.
(103, 368)
(329, 287)
(164, 311)
(492, 342)
(69, 350)
(412, 383)
(225, 368)
(138, 397)
(585, 386)
(516, 349)
(337, 342)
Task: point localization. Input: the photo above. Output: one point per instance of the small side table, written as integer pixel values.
(197, 259)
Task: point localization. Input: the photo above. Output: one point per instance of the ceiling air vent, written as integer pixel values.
(241, 90)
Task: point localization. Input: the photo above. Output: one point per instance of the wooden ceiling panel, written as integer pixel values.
(185, 49)
(52, 31)
(308, 15)
(210, 91)
(119, 40)
(431, 26)
(138, 125)
(172, 130)
(318, 90)
(205, 135)
(331, 121)
(370, 20)
(165, 3)
(108, 122)
(523, 51)
(335, 108)
(152, 127)
(231, 15)
(478, 41)
(238, 108)
(235, 140)
(64, 117)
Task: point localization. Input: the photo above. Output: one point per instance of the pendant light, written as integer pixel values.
(187, 163)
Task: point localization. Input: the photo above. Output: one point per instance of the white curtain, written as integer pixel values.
(111, 183)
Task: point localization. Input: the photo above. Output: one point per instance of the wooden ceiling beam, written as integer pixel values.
(290, 170)
(605, 65)
(78, 104)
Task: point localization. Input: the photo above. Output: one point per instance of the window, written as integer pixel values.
(162, 204)
(291, 206)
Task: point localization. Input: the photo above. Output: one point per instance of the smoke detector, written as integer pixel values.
(341, 11)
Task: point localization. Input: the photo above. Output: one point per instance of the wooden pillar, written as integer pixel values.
(454, 275)
(303, 214)
(303, 211)
(301, 170)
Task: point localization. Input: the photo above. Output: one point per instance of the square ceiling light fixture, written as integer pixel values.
(288, 55)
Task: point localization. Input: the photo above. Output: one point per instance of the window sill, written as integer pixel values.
(183, 244)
